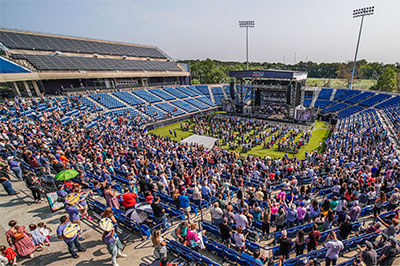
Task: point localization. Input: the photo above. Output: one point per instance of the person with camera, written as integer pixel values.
(333, 246)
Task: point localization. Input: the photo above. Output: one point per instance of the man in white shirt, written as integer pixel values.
(333, 247)
(241, 220)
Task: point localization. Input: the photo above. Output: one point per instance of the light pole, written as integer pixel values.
(362, 12)
(247, 24)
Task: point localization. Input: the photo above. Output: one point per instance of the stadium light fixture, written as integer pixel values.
(361, 12)
(247, 24)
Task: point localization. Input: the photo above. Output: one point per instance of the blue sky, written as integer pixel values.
(320, 30)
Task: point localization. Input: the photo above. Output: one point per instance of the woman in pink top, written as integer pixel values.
(193, 236)
(274, 210)
(282, 195)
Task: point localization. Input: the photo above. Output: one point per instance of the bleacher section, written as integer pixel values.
(217, 91)
(153, 112)
(392, 101)
(203, 89)
(176, 93)
(339, 93)
(162, 94)
(350, 110)
(10, 67)
(347, 94)
(107, 100)
(360, 97)
(62, 63)
(127, 112)
(147, 96)
(170, 109)
(39, 42)
(197, 103)
(188, 91)
(128, 98)
(91, 104)
(334, 108)
(218, 99)
(375, 99)
(206, 100)
(307, 102)
(322, 103)
(325, 94)
(185, 106)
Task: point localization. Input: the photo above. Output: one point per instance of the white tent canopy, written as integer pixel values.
(207, 142)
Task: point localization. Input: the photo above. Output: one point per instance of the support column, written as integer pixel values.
(27, 89)
(36, 87)
(16, 89)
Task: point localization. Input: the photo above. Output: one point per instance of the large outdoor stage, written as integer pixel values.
(275, 95)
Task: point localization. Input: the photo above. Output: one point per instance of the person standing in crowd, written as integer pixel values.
(160, 249)
(185, 204)
(299, 243)
(216, 214)
(368, 255)
(15, 166)
(389, 252)
(333, 248)
(111, 239)
(70, 238)
(5, 179)
(226, 232)
(18, 237)
(159, 212)
(285, 244)
(111, 198)
(128, 199)
(313, 238)
(33, 183)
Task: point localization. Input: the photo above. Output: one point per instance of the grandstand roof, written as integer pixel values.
(269, 74)
(51, 62)
(13, 39)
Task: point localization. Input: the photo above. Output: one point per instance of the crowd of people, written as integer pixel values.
(360, 167)
(246, 133)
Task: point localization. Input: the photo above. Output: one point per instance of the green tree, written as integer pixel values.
(387, 81)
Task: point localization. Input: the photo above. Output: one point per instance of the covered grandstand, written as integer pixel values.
(35, 63)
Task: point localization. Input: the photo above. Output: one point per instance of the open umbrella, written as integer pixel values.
(66, 174)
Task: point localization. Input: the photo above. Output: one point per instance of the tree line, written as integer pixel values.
(214, 72)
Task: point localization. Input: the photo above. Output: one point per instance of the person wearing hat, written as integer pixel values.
(73, 208)
(389, 252)
(225, 232)
(111, 239)
(368, 255)
(301, 213)
(69, 234)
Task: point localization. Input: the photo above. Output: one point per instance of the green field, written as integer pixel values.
(319, 134)
(340, 83)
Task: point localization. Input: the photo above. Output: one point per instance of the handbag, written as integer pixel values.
(18, 236)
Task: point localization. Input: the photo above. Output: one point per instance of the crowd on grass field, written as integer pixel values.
(246, 133)
(325, 191)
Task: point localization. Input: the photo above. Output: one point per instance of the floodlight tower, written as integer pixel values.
(247, 24)
(362, 12)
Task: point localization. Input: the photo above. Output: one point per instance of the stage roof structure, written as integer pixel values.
(206, 142)
(269, 74)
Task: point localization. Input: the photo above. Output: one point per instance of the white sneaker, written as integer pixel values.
(116, 264)
(122, 256)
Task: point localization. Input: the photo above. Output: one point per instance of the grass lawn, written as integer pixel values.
(319, 134)
(164, 131)
(340, 83)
